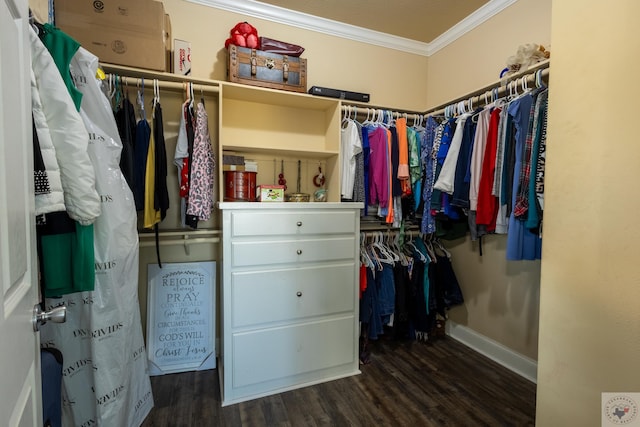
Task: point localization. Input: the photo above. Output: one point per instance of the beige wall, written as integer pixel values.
(476, 59)
(590, 280)
(501, 298)
(394, 79)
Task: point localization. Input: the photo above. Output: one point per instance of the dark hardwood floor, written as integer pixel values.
(443, 383)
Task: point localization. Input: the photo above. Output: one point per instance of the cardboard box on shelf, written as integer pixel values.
(130, 33)
(181, 57)
(167, 43)
(270, 193)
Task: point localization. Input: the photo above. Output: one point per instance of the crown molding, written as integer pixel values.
(490, 9)
(305, 21)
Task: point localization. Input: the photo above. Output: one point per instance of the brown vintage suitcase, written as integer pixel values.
(257, 68)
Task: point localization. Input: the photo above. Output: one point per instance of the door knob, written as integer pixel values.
(56, 315)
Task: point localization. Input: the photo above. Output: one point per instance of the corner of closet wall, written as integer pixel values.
(476, 58)
(502, 297)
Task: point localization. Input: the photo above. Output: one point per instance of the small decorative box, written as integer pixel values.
(270, 193)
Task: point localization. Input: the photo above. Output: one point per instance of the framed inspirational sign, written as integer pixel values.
(181, 317)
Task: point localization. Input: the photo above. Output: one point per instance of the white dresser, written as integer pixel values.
(289, 296)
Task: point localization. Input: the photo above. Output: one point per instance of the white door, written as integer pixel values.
(20, 389)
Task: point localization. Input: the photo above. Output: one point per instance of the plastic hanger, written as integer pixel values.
(191, 96)
(367, 120)
(140, 100)
(409, 243)
(156, 93)
(539, 82)
(440, 246)
(364, 256)
(428, 244)
(395, 248)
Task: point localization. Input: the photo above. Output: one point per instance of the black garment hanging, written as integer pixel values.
(140, 150)
(126, 121)
(161, 192)
(401, 315)
(396, 186)
(190, 220)
(161, 196)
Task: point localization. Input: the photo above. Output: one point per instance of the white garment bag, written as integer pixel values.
(107, 382)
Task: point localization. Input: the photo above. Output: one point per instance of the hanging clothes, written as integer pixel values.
(366, 176)
(64, 229)
(403, 174)
(107, 319)
(151, 215)
(432, 132)
(126, 121)
(462, 177)
(350, 145)
(68, 135)
(161, 193)
(140, 155)
(536, 183)
(414, 137)
(475, 171)
(521, 242)
(487, 205)
(181, 161)
(62, 48)
(190, 220)
(202, 169)
(446, 178)
(379, 167)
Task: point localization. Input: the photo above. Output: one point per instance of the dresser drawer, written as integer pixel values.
(245, 254)
(278, 353)
(264, 296)
(286, 223)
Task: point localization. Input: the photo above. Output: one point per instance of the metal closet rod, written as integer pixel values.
(168, 81)
(178, 242)
(167, 238)
(134, 83)
(372, 112)
(484, 96)
(477, 96)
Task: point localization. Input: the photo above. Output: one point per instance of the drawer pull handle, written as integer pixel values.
(299, 223)
(299, 294)
(299, 251)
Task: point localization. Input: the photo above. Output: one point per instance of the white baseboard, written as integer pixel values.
(516, 362)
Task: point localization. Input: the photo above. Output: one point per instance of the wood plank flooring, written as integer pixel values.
(443, 383)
